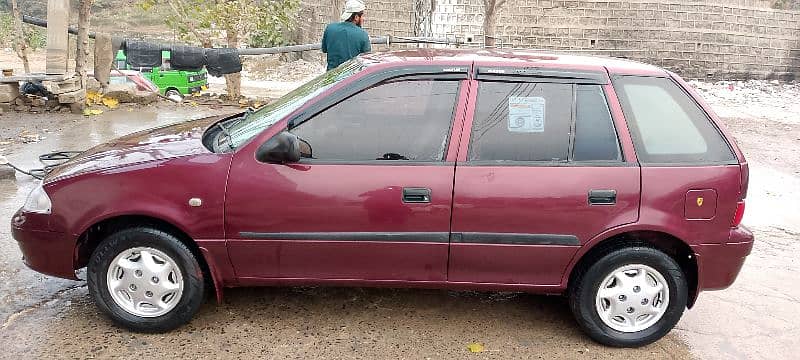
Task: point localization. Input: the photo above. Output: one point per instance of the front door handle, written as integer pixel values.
(416, 195)
(602, 197)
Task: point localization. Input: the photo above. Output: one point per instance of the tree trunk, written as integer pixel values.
(490, 9)
(233, 82)
(20, 43)
(83, 39)
(488, 24)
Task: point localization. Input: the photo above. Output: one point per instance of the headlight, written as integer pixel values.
(38, 201)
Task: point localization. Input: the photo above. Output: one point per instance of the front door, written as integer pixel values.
(371, 202)
(540, 173)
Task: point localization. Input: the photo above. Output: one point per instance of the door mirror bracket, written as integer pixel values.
(282, 148)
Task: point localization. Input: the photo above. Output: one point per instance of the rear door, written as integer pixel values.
(372, 202)
(540, 172)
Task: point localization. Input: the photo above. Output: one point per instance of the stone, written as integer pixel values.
(76, 108)
(22, 108)
(73, 97)
(37, 102)
(68, 85)
(20, 101)
(9, 92)
(51, 104)
(127, 94)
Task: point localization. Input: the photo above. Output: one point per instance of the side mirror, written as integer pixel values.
(280, 149)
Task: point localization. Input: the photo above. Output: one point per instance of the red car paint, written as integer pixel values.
(153, 174)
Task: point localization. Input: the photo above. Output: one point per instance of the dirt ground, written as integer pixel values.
(44, 317)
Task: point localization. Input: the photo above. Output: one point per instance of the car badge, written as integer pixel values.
(699, 201)
(195, 202)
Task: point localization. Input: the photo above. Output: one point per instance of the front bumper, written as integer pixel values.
(718, 265)
(47, 252)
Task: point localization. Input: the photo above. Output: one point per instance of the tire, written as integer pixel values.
(172, 92)
(622, 330)
(180, 286)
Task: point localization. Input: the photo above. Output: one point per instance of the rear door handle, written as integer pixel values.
(602, 197)
(416, 195)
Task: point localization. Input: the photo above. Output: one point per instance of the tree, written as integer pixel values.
(20, 41)
(490, 9)
(205, 20)
(84, 13)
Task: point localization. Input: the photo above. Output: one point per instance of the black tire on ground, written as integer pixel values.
(171, 92)
(583, 291)
(194, 287)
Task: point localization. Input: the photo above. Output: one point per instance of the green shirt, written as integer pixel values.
(343, 41)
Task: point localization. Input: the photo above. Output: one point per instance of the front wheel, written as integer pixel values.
(173, 93)
(145, 280)
(630, 297)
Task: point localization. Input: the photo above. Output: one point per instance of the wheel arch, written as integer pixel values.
(671, 245)
(94, 234)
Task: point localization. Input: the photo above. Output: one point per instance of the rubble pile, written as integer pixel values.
(36, 104)
(294, 71)
(773, 100)
(272, 69)
(213, 99)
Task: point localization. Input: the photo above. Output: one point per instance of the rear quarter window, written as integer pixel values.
(667, 125)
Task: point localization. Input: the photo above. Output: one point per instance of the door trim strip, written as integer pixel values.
(433, 237)
(439, 237)
(515, 239)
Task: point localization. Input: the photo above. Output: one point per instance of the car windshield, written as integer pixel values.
(249, 126)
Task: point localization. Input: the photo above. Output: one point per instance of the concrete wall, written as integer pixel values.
(696, 38)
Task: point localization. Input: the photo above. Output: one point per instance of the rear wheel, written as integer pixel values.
(630, 297)
(146, 280)
(173, 92)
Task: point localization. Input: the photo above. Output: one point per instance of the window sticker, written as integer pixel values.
(526, 114)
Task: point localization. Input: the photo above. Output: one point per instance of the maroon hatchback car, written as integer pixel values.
(605, 180)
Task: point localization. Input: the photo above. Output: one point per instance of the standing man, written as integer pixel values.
(344, 40)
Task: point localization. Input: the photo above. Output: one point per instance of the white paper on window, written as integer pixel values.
(526, 114)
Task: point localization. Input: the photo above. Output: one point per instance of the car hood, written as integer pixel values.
(161, 143)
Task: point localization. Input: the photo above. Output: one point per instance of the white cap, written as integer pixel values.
(351, 7)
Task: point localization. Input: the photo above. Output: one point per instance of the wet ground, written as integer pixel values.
(44, 317)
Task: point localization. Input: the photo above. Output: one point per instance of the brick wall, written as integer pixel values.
(383, 17)
(696, 38)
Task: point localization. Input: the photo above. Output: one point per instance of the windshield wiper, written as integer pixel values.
(240, 119)
(227, 133)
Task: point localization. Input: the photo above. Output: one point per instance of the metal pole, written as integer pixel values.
(374, 40)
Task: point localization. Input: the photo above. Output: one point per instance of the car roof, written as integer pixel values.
(511, 58)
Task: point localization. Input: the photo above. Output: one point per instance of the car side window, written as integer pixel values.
(595, 135)
(399, 120)
(667, 126)
(521, 122)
